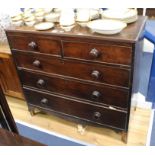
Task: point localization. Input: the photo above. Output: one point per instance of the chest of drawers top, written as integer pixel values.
(130, 34)
(80, 43)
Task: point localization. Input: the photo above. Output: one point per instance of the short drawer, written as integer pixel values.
(86, 71)
(74, 108)
(98, 52)
(39, 44)
(93, 92)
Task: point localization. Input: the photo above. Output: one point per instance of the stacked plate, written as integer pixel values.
(125, 15)
(106, 26)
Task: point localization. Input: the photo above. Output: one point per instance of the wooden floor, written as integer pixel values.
(138, 126)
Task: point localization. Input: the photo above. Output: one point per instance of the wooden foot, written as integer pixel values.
(81, 129)
(32, 112)
(124, 137)
(117, 131)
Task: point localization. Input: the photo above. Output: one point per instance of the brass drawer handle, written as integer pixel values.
(44, 101)
(95, 74)
(95, 95)
(94, 53)
(32, 45)
(37, 63)
(40, 83)
(97, 115)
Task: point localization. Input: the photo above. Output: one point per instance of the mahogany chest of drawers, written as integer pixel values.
(78, 74)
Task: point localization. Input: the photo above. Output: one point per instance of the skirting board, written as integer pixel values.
(139, 101)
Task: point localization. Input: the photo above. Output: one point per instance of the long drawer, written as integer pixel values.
(98, 52)
(82, 110)
(93, 92)
(87, 71)
(40, 44)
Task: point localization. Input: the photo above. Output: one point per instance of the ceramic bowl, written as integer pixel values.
(39, 18)
(39, 10)
(18, 23)
(16, 18)
(66, 22)
(57, 10)
(67, 28)
(30, 18)
(52, 17)
(106, 26)
(27, 10)
(48, 10)
(30, 23)
(27, 15)
(39, 14)
(83, 24)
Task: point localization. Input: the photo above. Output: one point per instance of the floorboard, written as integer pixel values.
(138, 126)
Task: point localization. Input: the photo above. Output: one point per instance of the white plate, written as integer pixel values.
(119, 14)
(44, 26)
(125, 20)
(130, 20)
(106, 26)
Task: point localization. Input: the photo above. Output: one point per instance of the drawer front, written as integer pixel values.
(95, 93)
(78, 109)
(36, 44)
(87, 71)
(98, 52)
